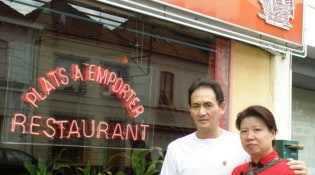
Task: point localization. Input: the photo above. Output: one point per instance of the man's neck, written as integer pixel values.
(209, 134)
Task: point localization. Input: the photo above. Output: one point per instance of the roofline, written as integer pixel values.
(22, 23)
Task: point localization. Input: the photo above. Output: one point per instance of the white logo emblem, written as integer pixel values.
(278, 12)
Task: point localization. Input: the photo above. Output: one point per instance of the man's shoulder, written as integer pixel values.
(229, 137)
(182, 139)
(227, 133)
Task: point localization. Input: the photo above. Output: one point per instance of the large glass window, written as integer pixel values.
(127, 93)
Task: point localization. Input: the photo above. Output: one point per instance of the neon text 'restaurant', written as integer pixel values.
(69, 129)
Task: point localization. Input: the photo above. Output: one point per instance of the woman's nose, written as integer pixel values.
(250, 135)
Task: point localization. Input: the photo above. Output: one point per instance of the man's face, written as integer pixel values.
(205, 110)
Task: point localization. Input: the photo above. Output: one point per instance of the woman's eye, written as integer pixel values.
(243, 131)
(257, 130)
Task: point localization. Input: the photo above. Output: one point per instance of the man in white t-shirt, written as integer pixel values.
(210, 149)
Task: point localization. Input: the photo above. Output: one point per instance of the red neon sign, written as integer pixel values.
(80, 128)
(56, 78)
(37, 125)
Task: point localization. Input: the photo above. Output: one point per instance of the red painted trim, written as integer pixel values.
(221, 73)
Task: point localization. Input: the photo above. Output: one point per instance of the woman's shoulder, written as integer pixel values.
(283, 168)
(240, 169)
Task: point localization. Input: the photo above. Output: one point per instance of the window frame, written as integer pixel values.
(166, 88)
(112, 67)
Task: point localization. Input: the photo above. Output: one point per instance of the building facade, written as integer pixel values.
(303, 78)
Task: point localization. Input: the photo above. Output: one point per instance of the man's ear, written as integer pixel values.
(223, 107)
(189, 107)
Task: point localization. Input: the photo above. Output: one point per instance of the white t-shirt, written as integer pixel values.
(190, 155)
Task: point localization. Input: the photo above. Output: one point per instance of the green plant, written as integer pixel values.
(144, 161)
(44, 168)
(86, 170)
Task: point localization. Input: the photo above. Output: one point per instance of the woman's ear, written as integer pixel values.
(273, 133)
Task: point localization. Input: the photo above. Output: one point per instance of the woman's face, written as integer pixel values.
(256, 137)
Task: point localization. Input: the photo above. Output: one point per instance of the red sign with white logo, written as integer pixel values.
(279, 18)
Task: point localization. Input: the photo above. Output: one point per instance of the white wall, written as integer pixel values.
(309, 25)
(282, 96)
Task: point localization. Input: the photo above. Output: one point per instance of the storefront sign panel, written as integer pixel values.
(280, 19)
